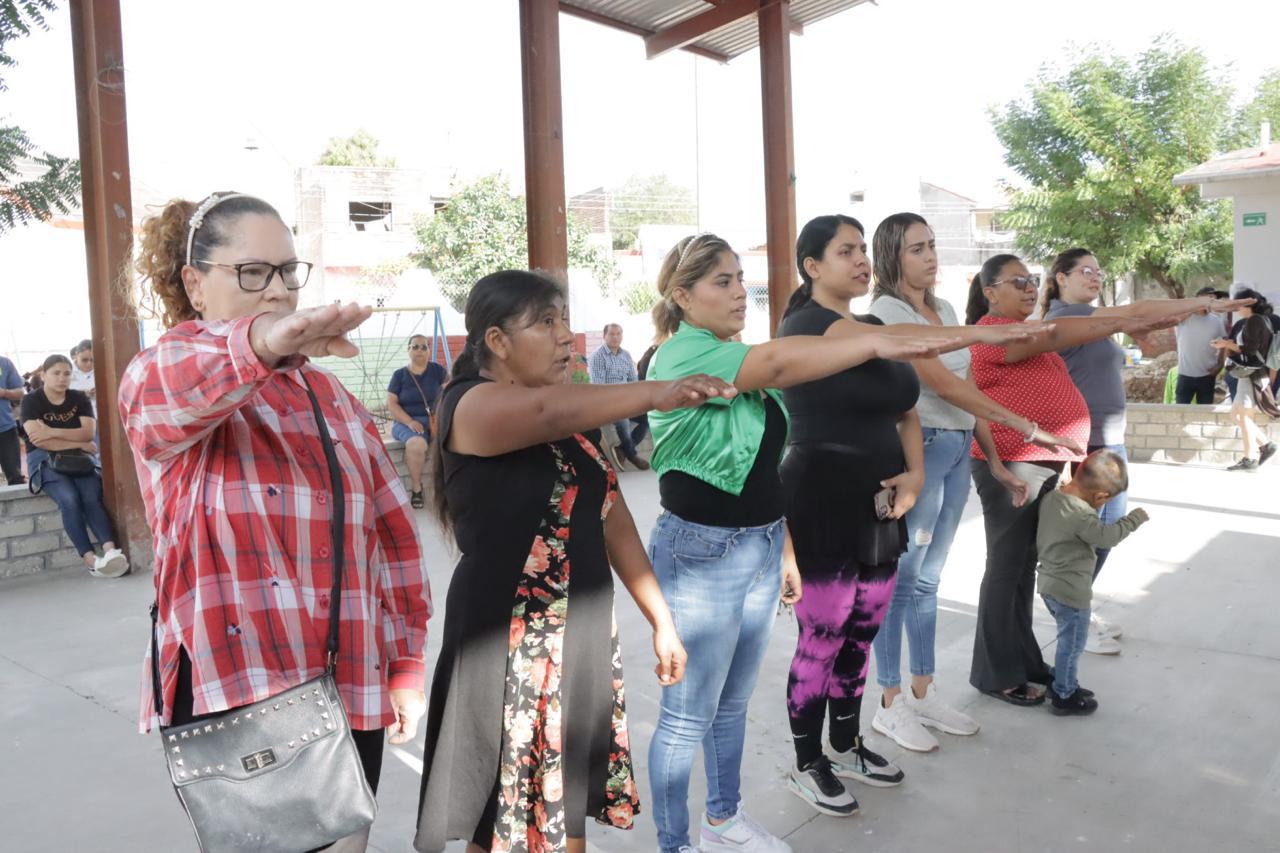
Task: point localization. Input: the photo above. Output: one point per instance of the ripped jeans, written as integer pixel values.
(931, 527)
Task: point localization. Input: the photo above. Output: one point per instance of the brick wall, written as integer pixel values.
(1202, 434)
(31, 536)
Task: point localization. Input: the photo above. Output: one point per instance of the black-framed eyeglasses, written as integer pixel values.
(256, 276)
(419, 347)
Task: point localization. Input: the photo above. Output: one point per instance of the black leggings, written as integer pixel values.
(368, 743)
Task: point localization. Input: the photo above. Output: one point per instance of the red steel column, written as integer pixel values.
(779, 154)
(108, 238)
(543, 136)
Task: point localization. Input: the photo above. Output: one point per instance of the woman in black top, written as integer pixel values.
(59, 420)
(521, 481)
(1248, 345)
(854, 434)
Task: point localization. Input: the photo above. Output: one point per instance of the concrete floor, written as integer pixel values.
(1184, 754)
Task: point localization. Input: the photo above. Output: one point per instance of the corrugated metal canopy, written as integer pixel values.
(647, 17)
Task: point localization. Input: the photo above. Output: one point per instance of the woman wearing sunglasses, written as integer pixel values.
(1031, 379)
(1074, 282)
(411, 399)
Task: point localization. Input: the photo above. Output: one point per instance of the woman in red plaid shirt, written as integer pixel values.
(237, 490)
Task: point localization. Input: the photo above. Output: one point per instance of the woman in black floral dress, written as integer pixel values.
(526, 733)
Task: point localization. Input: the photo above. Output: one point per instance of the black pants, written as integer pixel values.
(1197, 389)
(1005, 650)
(10, 454)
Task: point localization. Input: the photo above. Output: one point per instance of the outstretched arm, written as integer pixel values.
(783, 362)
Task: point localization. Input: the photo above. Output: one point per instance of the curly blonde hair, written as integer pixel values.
(163, 251)
(689, 260)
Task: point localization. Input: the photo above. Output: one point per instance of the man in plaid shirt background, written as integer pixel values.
(612, 365)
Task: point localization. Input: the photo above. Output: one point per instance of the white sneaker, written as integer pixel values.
(936, 714)
(1109, 629)
(112, 564)
(741, 833)
(1099, 643)
(901, 725)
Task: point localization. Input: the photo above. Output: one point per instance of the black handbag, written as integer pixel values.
(72, 463)
(282, 774)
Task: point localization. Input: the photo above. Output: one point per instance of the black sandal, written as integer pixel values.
(1021, 696)
(415, 500)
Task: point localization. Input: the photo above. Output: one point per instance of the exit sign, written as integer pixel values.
(1252, 219)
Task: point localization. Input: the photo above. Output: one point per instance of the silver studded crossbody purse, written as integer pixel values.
(282, 774)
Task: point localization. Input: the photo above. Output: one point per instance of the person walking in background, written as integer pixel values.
(1199, 362)
(906, 268)
(59, 422)
(1069, 533)
(227, 417)
(1073, 285)
(612, 365)
(1249, 346)
(717, 548)
(411, 398)
(11, 391)
(82, 369)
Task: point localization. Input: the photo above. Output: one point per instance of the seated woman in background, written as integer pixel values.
(411, 397)
(57, 421)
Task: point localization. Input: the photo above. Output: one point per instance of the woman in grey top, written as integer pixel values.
(1073, 283)
(951, 409)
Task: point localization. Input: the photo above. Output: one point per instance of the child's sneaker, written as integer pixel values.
(740, 833)
(1077, 704)
(816, 784)
(1098, 643)
(866, 766)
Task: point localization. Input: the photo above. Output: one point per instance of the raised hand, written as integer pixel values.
(691, 391)
(1224, 306)
(1051, 442)
(1011, 333)
(313, 331)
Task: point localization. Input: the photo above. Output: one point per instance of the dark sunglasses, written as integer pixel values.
(1022, 282)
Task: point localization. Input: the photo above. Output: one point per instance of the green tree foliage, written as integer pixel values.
(34, 184)
(358, 149)
(1264, 106)
(483, 230)
(1098, 147)
(648, 200)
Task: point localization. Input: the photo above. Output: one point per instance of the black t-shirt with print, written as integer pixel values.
(65, 415)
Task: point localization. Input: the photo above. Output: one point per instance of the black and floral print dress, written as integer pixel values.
(527, 732)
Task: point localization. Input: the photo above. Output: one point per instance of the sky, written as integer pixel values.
(883, 94)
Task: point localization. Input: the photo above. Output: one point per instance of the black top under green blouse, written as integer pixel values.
(844, 442)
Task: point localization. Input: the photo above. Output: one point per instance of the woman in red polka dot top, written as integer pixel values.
(1031, 379)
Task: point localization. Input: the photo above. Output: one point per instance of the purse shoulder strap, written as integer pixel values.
(337, 530)
(423, 394)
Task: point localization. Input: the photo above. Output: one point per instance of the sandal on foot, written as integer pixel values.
(415, 500)
(1022, 695)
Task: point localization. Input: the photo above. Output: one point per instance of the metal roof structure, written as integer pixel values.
(1254, 162)
(695, 25)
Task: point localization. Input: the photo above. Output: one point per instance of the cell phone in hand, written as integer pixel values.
(884, 502)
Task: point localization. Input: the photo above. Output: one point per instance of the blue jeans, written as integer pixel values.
(1073, 630)
(629, 437)
(722, 585)
(1114, 509)
(78, 498)
(931, 527)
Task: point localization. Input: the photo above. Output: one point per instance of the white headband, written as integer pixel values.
(197, 218)
(687, 246)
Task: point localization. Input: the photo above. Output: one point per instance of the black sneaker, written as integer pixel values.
(862, 764)
(1266, 451)
(1245, 464)
(818, 786)
(1077, 704)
